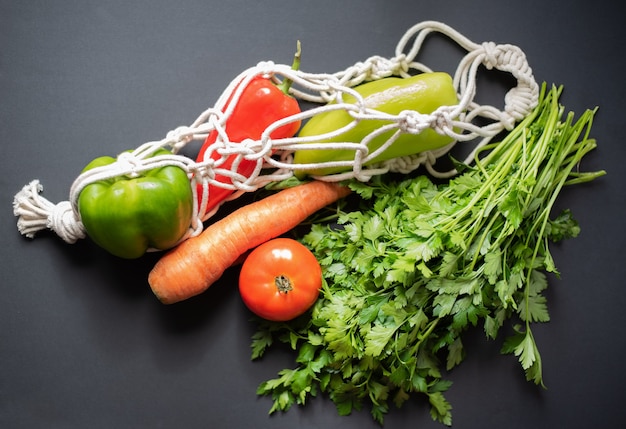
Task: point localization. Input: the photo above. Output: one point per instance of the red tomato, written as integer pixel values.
(280, 280)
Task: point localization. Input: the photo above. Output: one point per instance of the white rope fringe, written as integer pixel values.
(274, 157)
(36, 213)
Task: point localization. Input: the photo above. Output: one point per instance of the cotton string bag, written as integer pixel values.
(274, 157)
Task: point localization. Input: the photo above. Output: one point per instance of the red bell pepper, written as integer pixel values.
(260, 104)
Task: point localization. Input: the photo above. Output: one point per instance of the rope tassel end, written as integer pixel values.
(35, 213)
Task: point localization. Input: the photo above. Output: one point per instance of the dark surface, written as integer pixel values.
(84, 343)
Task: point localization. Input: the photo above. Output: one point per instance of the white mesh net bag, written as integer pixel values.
(466, 121)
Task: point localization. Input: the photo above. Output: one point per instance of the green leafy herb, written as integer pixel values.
(418, 264)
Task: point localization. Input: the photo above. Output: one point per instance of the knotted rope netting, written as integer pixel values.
(274, 157)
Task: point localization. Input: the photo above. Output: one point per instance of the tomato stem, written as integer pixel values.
(283, 284)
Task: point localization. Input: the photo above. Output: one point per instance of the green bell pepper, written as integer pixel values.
(423, 93)
(126, 215)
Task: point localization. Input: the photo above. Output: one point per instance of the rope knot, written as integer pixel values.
(204, 169)
(413, 122)
(266, 68)
(179, 137)
(380, 67)
(129, 162)
(442, 119)
(62, 220)
(492, 53)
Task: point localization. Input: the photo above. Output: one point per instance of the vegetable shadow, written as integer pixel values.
(201, 310)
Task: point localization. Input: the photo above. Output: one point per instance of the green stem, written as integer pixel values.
(483, 237)
(487, 188)
(285, 86)
(577, 178)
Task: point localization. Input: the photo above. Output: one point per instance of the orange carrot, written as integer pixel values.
(194, 265)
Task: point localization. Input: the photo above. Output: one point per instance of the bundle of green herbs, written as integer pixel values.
(418, 263)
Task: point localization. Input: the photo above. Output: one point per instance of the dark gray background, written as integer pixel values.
(83, 343)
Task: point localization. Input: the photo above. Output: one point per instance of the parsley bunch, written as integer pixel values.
(418, 263)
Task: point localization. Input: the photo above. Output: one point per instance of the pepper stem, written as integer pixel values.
(285, 85)
(283, 284)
